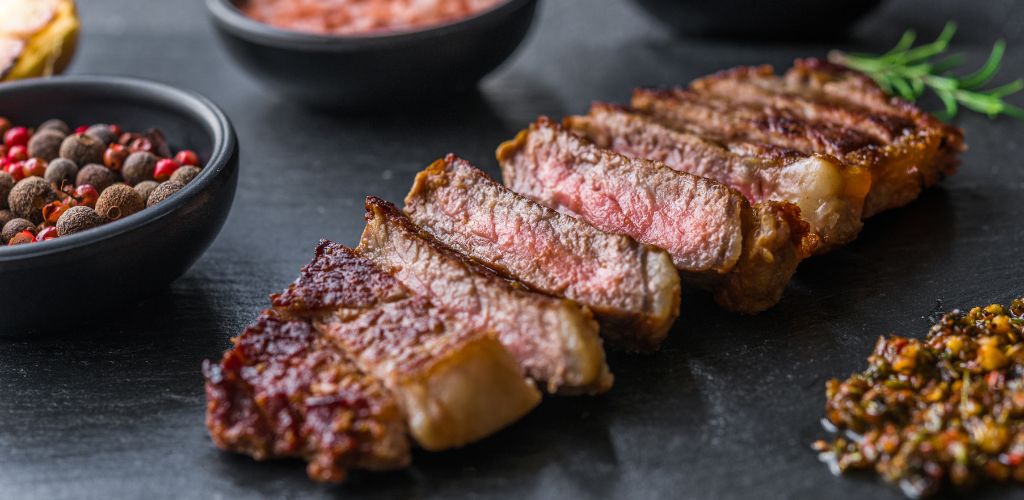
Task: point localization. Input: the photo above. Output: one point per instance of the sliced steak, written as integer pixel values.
(283, 390)
(632, 288)
(555, 340)
(726, 120)
(746, 255)
(830, 194)
(455, 383)
(819, 108)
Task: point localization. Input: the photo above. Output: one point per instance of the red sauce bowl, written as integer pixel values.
(374, 70)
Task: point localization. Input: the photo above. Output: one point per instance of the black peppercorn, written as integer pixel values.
(61, 172)
(97, 176)
(28, 196)
(6, 183)
(102, 132)
(138, 167)
(15, 226)
(78, 218)
(5, 217)
(145, 188)
(82, 149)
(185, 174)
(163, 191)
(119, 201)
(54, 124)
(45, 144)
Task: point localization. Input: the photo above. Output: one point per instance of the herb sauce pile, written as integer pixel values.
(948, 409)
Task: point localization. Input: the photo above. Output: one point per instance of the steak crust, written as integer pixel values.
(707, 228)
(829, 193)
(553, 339)
(817, 107)
(347, 363)
(455, 383)
(283, 390)
(632, 288)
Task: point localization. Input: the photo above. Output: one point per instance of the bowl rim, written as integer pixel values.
(229, 17)
(224, 149)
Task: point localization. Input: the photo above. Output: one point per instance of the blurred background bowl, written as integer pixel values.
(760, 19)
(88, 276)
(374, 70)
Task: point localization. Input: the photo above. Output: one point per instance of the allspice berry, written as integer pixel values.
(54, 124)
(103, 132)
(45, 144)
(15, 226)
(28, 196)
(82, 149)
(163, 191)
(118, 201)
(145, 188)
(6, 183)
(60, 172)
(5, 217)
(97, 176)
(78, 218)
(138, 167)
(185, 174)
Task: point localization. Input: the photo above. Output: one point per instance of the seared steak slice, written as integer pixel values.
(746, 255)
(830, 194)
(283, 390)
(455, 383)
(725, 120)
(632, 288)
(555, 340)
(819, 108)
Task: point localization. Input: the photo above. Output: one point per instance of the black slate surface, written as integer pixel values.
(727, 409)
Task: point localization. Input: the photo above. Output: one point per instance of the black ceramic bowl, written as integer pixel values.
(760, 19)
(87, 276)
(378, 70)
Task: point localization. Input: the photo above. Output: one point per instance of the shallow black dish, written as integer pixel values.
(84, 277)
(759, 19)
(377, 70)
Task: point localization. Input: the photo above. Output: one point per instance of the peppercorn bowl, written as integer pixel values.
(98, 272)
(374, 70)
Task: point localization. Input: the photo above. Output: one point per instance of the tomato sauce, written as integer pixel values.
(355, 17)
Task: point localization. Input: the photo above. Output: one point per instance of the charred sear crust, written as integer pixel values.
(347, 344)
(282, 391)
(337, 278)
(632, 288)
(819, 108)
(744, 253)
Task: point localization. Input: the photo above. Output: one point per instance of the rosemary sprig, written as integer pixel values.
(907, 71)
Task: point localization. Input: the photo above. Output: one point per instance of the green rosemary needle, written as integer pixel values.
(907, 71)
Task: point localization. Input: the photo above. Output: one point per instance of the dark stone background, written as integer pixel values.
(727, 409)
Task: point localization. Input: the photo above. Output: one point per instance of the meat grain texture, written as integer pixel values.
(632, 288)
(745, 254)
(555, 340)
(830, 193)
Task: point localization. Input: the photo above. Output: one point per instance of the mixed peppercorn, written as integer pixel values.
(55, 181)
(946, 409)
